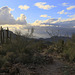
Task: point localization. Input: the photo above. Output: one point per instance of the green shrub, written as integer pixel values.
(2, 61)
(69, 50)
(10, 57)
(23, 58)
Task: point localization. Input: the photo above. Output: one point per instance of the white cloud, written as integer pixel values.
(7, 18)
(21, 19)
(73, 16)
(45, 15)
(62, 12)
(64, 26)
(65, 4)
(47, 22)
(37, 23)
(42, 5)
(25, 7)
(70, 22)
(71, 7)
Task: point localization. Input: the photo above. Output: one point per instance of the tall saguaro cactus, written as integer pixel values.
(1, 35)
(10, 37)
(5, 37)
(7, 34)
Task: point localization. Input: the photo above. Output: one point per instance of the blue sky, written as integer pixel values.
(33, 13)
(40, 14)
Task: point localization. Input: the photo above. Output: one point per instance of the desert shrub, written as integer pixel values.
(69, 50)
(10, 57)
(1, 61)
(60, 46)
(37, 46)
(24, 58)
(3, 52)
(38, 58)
(73, 37)
(51, 49)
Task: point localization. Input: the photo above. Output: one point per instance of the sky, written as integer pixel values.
(23, 14)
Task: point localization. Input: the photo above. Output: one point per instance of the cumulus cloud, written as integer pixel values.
(45, 15)
(70, 22)
(37, 23)
(47, 22)
(71, 7)
(21, 19)
(62, 12)
(43, 5)
(65, 4)
(7, 18)
(25, 7)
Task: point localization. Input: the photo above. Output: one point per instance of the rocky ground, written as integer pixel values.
(57, 68)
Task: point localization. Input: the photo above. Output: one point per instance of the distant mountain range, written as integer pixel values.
(53, 38)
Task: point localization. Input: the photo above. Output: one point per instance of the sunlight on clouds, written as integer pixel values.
(62, 12)
(7, 18)
(73, 26)
(6, 8)
(69, 19)
(71, 7)
(73, 16)
(25, 7)
(55, 22)
(21, 19)
(22, 28)
(42, 5)
(13, 27)
(43, 25)
(45, 15)
(58, 20)
(65, 4)
(36, 23)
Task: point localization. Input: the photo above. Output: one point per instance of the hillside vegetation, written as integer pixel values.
(31, 51)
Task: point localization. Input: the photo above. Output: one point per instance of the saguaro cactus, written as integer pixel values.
(1, 35)
(7, 34)
(4, 35)
(10, 37)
